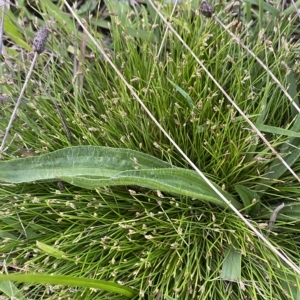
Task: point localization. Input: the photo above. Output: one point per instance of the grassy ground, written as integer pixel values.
(163, 245)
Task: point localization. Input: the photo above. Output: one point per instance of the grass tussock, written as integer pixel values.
(161, 245)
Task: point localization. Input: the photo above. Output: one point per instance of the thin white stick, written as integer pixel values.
(18, 101)
(279, 253)
(161, 47)
(239, 42)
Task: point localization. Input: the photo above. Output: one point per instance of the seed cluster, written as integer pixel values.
(207, 9)
(40, 40)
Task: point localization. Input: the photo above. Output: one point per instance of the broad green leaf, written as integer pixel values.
(92, 167)
(179, 181)
(76, 161)
(152, 13)
(10, 290)
(290, 283)
(134, 28)
(292, 287)
(87, 7)
(71, 281)
(101, 23)
(18, 227)
(231, 269)
(259, 119)
(14, 32)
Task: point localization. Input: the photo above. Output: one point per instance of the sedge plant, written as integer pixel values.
(158, 243)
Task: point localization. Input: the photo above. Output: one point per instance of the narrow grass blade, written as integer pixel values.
(293, 92)
(266, 6)
(71, 281)
(50, 250)
(250, 199)
(277, 130)
(291, 8)
(2, 6)
(49, 8)
(183, 93)
(290, 212)
(168, 297)
(277, 169)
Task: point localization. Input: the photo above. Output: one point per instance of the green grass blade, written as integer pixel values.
(121, 9)
(50, 250)
(290, 212)
(71, 281)
(231, 269)
(169, 298)
(48, 7)
(277, 169)
(291, 8)
(13, 32)
(250, 199)
(183, 93)
(293, 92)
(291, 283)
(266, 6)
(277, 130)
